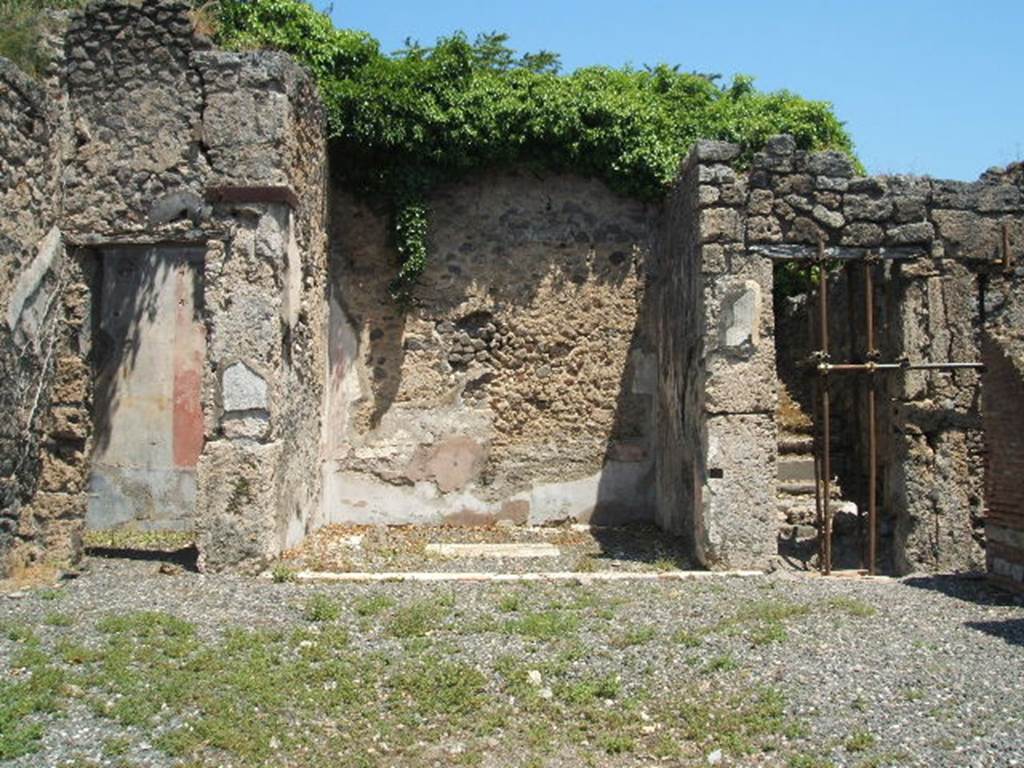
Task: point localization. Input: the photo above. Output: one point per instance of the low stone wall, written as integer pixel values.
(520, 384)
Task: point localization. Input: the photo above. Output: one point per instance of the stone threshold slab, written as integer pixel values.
(572, 576)
(493, 550)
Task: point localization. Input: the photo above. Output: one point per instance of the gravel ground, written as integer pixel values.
(402, 548)
(925, 671)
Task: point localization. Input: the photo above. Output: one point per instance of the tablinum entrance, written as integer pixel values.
(150, 350)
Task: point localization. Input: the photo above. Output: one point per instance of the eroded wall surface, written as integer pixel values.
(174, 147)
(520, 384)
(44, 425)
(943, 284)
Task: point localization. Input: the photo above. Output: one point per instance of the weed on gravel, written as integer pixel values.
(235, 700)
(179, 673)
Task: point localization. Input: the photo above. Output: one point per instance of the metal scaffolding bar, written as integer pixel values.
(824, 368)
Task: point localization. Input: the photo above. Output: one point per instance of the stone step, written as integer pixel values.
(485, 550)
(798, 511)
(790, 443)
(796, 469)
(805, 488)
(795, 488)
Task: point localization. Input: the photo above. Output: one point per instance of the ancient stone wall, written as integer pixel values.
(135, 103)
(43, 422)
(570, 354)
(201, 172)
(729, 393)
(263, 129)
(520, 384)
(942, 283)
(679, 307)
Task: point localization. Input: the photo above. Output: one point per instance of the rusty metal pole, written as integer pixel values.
(816, 449)
(872, 356)
(826, 460)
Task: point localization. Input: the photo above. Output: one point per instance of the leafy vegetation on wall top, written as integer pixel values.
(402, 123)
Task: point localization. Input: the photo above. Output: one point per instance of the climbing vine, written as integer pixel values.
(404, 122)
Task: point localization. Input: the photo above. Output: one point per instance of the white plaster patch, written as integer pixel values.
(741, 316)
(243, 389)
(493, 550)
(29, 281)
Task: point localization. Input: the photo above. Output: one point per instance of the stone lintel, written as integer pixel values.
(256, 194)
(797, 252)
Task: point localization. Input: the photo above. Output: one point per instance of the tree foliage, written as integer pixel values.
(403, 122)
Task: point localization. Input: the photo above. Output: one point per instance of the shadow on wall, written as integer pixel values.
(797, 341)
(126, 294)
(148, 356)
(531, 320)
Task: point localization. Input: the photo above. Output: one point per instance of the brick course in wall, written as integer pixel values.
(1004, 438)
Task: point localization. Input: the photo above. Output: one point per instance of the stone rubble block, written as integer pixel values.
(831, 219)
(712, 151)
(859, 207)
(906, 234)
(829, 164)
(721, 225)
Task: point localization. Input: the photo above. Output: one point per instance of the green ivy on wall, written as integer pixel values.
(402, 123)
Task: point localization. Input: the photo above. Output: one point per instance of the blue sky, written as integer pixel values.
(928, 87)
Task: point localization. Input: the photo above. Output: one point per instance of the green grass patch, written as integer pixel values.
(282, 574)
(235, 699)
(725, 662)
(321, 608)
(851, 606)
(416, 619)
(57, 619)
(543, 625)
(770, 610)
(588, 690)
(859, 741)
(809, 761)
(739, 724)
(510, 602)
(687, 638)
(768, 633)
(372, 605)
(634, 636)
(38, 690)
(438, 687)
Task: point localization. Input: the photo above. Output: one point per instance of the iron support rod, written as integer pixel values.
(826, 368)
(819, 517)
(826, 463)
(869, 308)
